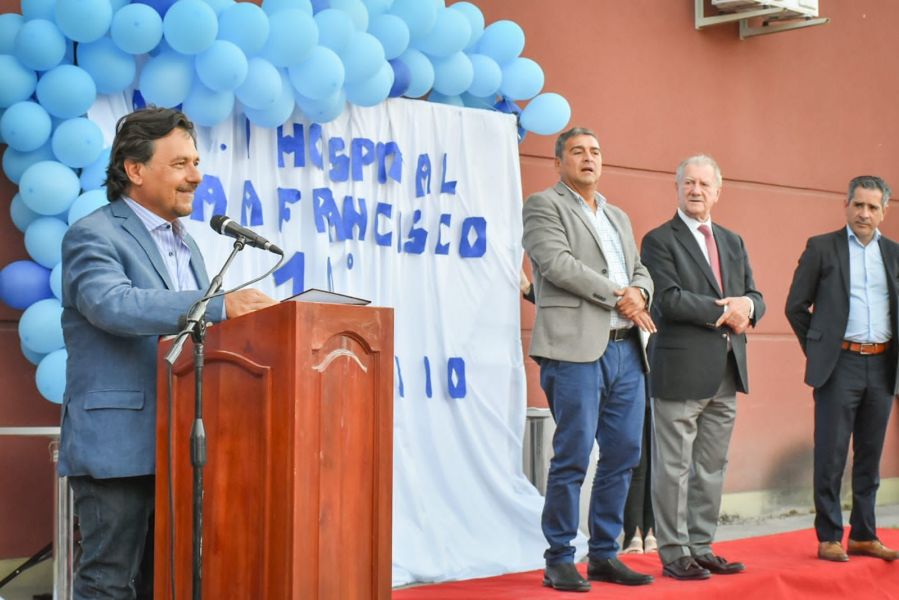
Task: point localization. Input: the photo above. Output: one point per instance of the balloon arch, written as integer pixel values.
(215, 57)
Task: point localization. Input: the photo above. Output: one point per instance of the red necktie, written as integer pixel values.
(712, 249)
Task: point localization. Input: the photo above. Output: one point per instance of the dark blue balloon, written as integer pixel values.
(402, 77)
(24, 282)
(160, 6)
(507, 106)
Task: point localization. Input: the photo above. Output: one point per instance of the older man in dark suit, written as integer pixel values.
(591, 296)
(842, 306)
(705, 301)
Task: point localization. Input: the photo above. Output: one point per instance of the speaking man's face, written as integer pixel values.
(581, 162)
(166, 183)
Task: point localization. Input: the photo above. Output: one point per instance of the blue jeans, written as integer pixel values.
(604, 401)
(115, 519)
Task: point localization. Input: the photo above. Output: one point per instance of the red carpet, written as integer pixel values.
(781, 566)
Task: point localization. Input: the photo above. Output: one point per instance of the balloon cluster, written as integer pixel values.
(212, 58)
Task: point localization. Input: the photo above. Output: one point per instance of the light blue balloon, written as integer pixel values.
(319, 76)
(421, 70)
(166, 79)
(208, 107)
(117, 4)
(136, 28)
(279, 112)
(373, 90)
(219, 5)
(475, 21)
(487, 76)
(43, 241)
(30, 355)
(56, 281)
(377, 7)
(362, 57)
(356, 10)
(38, 9)
(419, 15)
(439, 98)
(483, 102)
(26, 126)
(93, 175)
(223, 67)
(546, 114)
(262, 87)
(246, 25)
(15, 163)
(49, 188)
(502, 41)
(18, 81)
(24, 282)
(83, 20)
(392, 32)
(21, 215)
(111, 68)
(522, 79)
(323, 110)
(84, 205)
(272, 6)
(291, 38)
(453, 74)
(450, 34)
(77, 142)
(40, 45)
(190, 26)
(66, 91)
(335, 27)
(10, 23)
(50, 376)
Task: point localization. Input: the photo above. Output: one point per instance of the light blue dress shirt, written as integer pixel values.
(869, 297)
(169, 239)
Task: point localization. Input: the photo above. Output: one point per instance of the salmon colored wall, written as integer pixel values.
(790, 117)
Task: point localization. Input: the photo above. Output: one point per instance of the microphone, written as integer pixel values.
(226, 226)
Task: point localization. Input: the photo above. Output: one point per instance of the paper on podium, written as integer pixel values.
(317, 295)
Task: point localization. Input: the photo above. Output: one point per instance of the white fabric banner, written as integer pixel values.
(416, 206)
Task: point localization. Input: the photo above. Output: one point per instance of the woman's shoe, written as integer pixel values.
(650, 544)
(635, 547)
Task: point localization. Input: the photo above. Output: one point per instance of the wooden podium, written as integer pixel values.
(298, 411)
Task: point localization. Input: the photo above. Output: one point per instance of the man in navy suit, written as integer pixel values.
(842, 306)
(129, 272)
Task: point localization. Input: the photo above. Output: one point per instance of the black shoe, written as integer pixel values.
(685, 569)
(615, 571)
(565, 578)
(718, 564)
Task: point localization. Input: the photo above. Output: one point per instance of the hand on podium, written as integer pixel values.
(245, 301)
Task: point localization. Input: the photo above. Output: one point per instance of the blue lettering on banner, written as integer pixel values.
(455, 377)
(210, 191)
(353, 218)
(477, 248)
(428, 390)
(340, 163)
(286, 196)
(327, 217)
(442, 247)
(293, 270)
(383, 210)
(390, 150)
(446, 187)
(315, 145)
(292, 144)
(252, 204)
(399, 376)
(417, 237)
(363, 151)
(423, 176)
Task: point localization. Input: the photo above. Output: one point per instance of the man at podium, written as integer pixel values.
(129, 270)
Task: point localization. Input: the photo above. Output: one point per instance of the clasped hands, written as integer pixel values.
(631, 305)
(736, 313)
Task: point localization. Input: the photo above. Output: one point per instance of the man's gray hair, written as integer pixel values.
(566, 135)
(698, 159)
(869, 182)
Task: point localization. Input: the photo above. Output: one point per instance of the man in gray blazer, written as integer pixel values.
(129, 272)
(705, 301)
(591, 295)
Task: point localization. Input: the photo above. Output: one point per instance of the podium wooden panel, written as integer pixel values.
(298, 411)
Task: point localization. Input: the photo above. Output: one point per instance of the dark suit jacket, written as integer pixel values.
(689, 354)
(117, 300)
(818, 302)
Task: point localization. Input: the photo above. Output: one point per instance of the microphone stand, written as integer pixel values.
(195, 327)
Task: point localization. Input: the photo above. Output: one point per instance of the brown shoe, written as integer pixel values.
(832, 551)
(873, 548)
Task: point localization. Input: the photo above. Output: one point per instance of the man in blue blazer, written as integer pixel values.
(129, 272)
(842, 307)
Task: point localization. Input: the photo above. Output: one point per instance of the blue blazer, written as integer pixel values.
(117, 300)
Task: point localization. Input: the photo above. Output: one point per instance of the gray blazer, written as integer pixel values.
(117, 300)
(574, 295)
